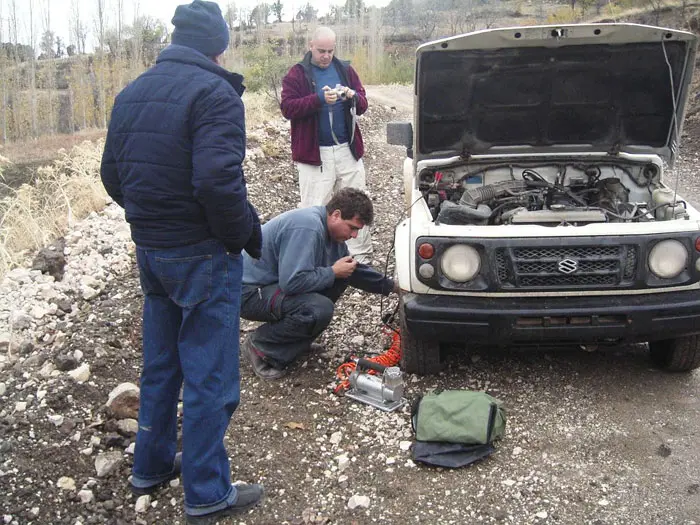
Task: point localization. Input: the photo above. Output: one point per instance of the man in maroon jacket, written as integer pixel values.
(322, 96)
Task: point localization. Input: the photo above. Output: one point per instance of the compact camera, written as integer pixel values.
(339, 90)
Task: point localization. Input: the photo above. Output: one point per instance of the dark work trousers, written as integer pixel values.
(292, 322)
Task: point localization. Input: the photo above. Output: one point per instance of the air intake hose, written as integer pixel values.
(487, 193)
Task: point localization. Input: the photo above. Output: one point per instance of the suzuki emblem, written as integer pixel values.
(567, 266)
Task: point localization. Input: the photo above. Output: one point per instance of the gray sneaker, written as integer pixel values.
(262, 368)
(249, 495)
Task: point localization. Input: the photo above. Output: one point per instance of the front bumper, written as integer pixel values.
(572, 319)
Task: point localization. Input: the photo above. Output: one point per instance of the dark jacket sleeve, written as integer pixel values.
(300, 250)
(370, 280)
(254, 244)
(218, 149)
(360, 94)
(109, 173)
(296, 100)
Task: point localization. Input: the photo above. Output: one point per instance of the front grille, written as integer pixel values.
(566, 267)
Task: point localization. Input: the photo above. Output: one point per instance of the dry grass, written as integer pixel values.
(66, 191)
(259, 109)
(46, 148)
(69, 188)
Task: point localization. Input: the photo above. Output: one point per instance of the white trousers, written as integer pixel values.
(338, 169)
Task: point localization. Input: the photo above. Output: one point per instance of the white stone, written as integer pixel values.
(47, 369)
(89, 293)
(542, 514)
(131, 449)
(107, 462)
(405, 445)
(20, 406)
(343, 462)
(358, 340)
(38, 312)
(517, 451)
(86, 496)
(118, 390)
(3, 389)
(80, 374)
(603, 503)
(358, 502)
(65, 483)
(509, 482)
(336, 437)
(128, 426)
(56, 419)
(142, 504)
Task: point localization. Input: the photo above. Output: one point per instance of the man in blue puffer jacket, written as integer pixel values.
(173, 159)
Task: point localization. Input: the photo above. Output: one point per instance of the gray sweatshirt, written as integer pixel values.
(298, 253)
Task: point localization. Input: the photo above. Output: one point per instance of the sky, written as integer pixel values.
(60, 12)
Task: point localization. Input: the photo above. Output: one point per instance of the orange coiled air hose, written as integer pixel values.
(392, 357)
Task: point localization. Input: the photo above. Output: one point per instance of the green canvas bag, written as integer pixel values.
(459, 416)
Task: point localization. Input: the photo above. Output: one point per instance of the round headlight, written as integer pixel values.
(460, 263)
(668, 259)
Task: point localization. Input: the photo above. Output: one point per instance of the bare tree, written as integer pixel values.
(15, 95)
(230, 16)
(50, 66)
(376, 43)
(32, 69)
(78, 31)
(100, 25)
(277, 8)
(3, 80)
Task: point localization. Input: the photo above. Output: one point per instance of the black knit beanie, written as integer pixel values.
(201, 26)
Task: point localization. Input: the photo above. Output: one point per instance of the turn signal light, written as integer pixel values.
(697, 244)
(426, 251)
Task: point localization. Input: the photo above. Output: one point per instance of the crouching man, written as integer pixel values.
(304, 269)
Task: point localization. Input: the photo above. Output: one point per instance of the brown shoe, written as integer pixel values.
(262, 368)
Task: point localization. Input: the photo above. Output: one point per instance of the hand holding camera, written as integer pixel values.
(339, 92)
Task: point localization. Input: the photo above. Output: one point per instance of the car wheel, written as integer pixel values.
(676, 355)
(418, 356)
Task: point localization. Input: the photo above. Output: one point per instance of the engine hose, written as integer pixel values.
(487, 193)
(392, 357)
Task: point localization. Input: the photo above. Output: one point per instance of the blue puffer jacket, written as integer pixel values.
(173, 155)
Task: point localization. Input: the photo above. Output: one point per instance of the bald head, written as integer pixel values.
(323, 32)
(322, 47)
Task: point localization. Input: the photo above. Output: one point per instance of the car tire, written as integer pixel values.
(676, 355)
(418, 356)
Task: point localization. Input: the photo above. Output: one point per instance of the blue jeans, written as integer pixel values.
(292, 322)
(190, 331)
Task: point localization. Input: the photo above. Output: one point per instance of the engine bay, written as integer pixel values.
(560, 193)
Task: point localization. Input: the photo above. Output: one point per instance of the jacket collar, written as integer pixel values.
(187, 55)
(306, 62)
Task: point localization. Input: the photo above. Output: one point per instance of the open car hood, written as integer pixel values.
(554, 89)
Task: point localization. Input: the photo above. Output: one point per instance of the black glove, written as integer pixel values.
(254, 244)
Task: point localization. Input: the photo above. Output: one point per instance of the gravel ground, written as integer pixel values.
(591, 438)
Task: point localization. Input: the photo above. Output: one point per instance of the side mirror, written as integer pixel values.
(400, 134)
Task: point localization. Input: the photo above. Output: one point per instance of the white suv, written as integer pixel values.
(538, 211)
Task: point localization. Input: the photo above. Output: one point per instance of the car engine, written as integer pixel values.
(568, 194)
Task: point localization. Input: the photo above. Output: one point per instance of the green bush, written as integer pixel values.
(264, 68)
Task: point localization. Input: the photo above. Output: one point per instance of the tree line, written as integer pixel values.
(51, 85)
